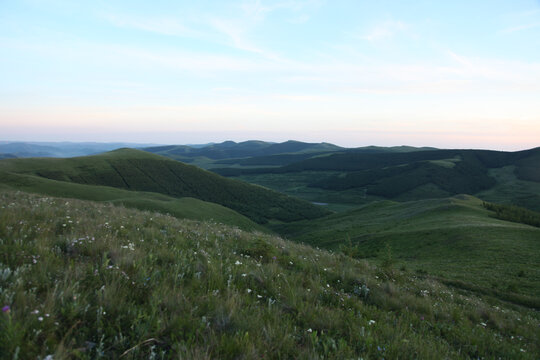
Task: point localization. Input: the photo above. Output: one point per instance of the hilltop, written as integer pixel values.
(136, 170)
(88, 280)
(231, 149)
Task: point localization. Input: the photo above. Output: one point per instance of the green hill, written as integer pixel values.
(188, 208)
(137, 170)
(355, 177)
(86, 280)
(454, 238)
(231, 149)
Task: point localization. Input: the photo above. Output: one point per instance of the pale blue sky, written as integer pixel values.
(437, 73)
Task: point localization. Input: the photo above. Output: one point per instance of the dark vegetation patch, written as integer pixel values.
(463, 178)
(514, 213)
(397, 175)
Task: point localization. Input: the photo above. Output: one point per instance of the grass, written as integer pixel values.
(87, 280)
(511, 190)
(188, 208)
(453, 238)
(137, 170)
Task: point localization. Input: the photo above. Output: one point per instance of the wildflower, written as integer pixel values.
(483, 324)
(35, 312)
(249, 291)
(371, 322)
(6, 309)
(237, 263)
(309, 330)
(40, 318)
(244, 275)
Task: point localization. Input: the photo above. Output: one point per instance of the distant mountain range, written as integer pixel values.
(186, 153)
(231, 149)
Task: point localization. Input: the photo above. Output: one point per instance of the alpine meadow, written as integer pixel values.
(257, 179)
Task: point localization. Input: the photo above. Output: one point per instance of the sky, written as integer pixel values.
(449, 74)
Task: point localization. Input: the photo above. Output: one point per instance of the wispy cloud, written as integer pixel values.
(520, 28)
(260, 8)
(160, 25)
(255, 10)
(236, 34)
(385, 30)
(300, 19)
(459, 59)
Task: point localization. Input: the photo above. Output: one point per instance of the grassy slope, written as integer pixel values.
(86, 280)
(454, 238)
(511, 190)
(141, 171)
(188, 208)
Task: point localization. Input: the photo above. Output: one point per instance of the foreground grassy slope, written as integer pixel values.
(87, 280)
(141, 171)
(454, 238)
(188, 208)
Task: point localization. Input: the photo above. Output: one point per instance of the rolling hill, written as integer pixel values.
(209, 155)
(86, 280)
(357, 177)
(137, 170)
(454, 238)
(259, 153)
(184, 208)
(231, 149)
